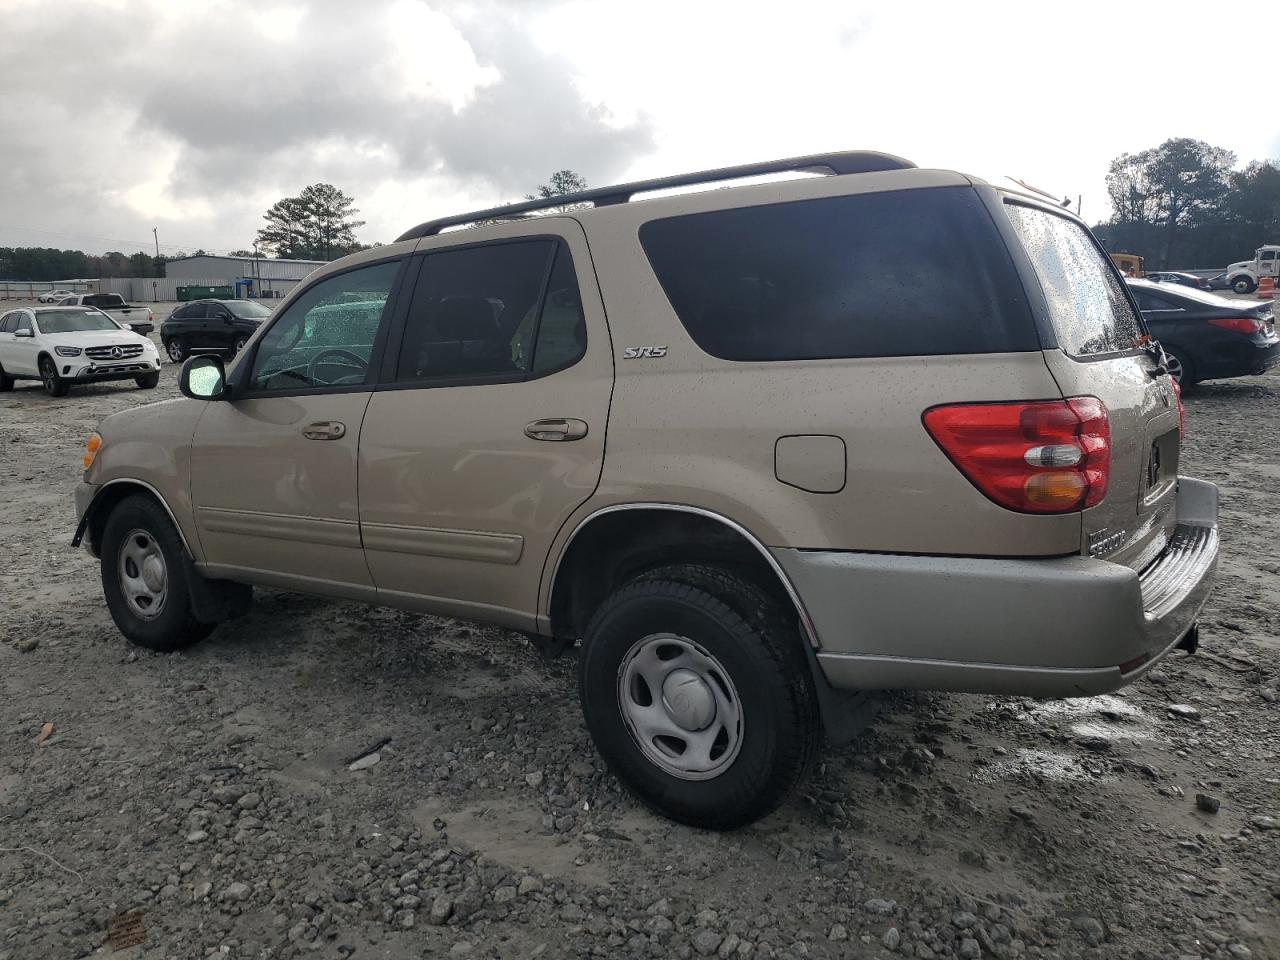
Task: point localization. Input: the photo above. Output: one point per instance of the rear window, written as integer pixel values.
(1087, 303)
(903, 273)
(104, 300)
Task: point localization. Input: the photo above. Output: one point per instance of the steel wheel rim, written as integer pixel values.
(680, 706)
(175, 351)
(143, 574)
(1174, 366)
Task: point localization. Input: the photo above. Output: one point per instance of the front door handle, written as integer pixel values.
(325, 430)
(556, 429)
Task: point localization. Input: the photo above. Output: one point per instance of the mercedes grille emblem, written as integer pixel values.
(117, 353)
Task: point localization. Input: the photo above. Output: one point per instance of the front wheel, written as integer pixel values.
(6, 381)
(54, 385)
(702, 704)
(148, 381)
(1243, 285)
(144, 577)
(240, 344)
(176, 349)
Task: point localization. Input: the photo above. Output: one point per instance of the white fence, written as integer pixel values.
(30, 289)
(135, 289)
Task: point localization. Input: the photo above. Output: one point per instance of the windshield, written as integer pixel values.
(247, 309)
(74, 321)
(104, 300)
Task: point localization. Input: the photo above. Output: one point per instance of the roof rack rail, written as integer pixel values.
(849, 161)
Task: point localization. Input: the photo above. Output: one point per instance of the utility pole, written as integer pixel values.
(157, 239)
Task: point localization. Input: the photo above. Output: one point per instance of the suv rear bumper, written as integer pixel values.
(1069, 626)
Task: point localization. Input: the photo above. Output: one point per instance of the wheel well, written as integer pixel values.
(620, 545)
(105, 502)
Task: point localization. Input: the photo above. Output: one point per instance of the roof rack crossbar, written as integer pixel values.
(852, 161)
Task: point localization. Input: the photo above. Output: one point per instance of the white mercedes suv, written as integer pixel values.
(64, 345)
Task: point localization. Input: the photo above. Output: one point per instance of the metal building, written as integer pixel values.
(250, 276)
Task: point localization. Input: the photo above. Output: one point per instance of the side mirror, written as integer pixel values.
(24, 332)
(203, 378)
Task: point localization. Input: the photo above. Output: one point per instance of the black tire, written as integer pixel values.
(175, 626)
(54, 385)
(1181, 368)
(1243, 285)
(176, 349)
(148, 381)
(750, 636)
(240, 344)
(6, 381)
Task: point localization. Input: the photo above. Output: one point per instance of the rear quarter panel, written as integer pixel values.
(692, 429)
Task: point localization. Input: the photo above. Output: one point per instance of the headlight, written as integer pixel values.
(91, 448)
(149, 347)
(67, 351)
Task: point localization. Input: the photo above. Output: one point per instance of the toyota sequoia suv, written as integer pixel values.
(758, 450)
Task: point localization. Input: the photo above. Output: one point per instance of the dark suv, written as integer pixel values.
(208, 325)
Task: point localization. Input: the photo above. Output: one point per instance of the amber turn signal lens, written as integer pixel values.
(91, 447)
(1058, 489)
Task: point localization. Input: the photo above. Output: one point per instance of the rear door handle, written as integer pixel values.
(556, 429)
(325, 430)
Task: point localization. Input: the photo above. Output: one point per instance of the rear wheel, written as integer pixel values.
(6, 381)
(696, 691)
(1180, 367)
(1243, 285)
(144, 577)
(148, 381)
(54, 385)
(177, 349)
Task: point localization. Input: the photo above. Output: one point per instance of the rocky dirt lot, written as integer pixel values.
(214, 793)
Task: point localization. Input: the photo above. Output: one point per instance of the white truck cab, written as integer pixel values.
(1244, 276)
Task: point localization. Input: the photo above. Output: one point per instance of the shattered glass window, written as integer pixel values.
(326, 337)
(1087, 305)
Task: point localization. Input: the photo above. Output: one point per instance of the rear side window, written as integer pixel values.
(1087, 304)
(904, 273)
(500, 311)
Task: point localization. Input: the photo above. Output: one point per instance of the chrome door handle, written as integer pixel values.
(556, 429)
(325, 430)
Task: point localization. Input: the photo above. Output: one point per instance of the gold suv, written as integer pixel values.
(760, 450)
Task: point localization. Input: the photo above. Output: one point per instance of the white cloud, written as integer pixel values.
(207, 112)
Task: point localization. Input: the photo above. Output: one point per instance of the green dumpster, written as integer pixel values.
(206, 293)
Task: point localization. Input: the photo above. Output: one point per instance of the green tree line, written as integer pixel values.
(318, 224)
(48, 263)
(1182, 204)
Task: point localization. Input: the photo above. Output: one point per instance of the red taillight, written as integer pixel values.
(1238, 324)
(1050, 456)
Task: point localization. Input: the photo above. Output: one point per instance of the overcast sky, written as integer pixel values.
(117, 116)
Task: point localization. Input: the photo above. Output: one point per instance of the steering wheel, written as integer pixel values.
(355, 360)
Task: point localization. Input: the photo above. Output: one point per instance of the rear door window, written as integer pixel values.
(474, 313)
(1087, 304)
(901, 273)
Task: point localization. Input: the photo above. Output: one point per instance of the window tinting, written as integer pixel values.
(1087, 305)
(8, 323)
(24, 322)
(556, 337)
(1148, 301)
(325, 338)
(469, 308)
(904, 273)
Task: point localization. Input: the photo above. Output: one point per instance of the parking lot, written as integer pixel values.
(212, 790)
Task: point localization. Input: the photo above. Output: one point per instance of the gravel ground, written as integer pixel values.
(213, 792)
